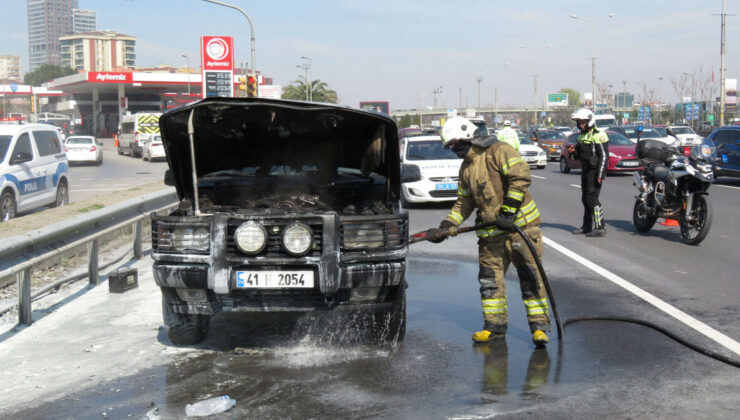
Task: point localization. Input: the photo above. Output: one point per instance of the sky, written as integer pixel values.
(400, 51)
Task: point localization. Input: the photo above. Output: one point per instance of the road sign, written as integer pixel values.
(557, 99)
(14, 87)
(543, 113)
(496, 120)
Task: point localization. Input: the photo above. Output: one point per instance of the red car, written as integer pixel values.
(621, 154)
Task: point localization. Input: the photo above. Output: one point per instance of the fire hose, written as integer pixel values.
(442, 233)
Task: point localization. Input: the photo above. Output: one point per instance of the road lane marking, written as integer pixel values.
(574, 185)
(97, 189)
(727, 186)
(676, 313)
(538, 177)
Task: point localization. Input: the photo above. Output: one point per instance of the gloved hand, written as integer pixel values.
(449, 228)
(436, 235)
(505, 221)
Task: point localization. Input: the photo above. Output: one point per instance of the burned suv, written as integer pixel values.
(284, 207)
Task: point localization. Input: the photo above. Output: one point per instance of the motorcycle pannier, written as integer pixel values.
(652, 150)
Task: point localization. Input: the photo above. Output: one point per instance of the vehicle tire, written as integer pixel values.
(8, 205)
(184, 329)
(642, 220)
(695, 232)
(118, 148)
(100, 162)
(564, 168)
(62, 194)
(391, 325)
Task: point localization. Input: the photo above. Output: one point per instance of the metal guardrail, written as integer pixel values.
(20, 253)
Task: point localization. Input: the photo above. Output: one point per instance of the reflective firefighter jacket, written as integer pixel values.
(490, 174)
(508, 135)
(592, 149)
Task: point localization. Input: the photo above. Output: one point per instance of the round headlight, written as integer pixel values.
(251, 238)
(297, 238)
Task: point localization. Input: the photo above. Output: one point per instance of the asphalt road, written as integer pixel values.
(96, 354)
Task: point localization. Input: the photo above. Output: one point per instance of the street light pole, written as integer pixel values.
(593, 56)
(251, 26)
(479, 79)
(309, 88)
(187, 58)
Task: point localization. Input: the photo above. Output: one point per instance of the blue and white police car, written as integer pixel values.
(33, 168)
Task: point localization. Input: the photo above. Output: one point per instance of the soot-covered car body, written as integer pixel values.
(293, 206)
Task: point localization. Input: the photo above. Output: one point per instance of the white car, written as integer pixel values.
(33, 169)
(152, 148)
(565, 130)
(84, 149)
(686, 134)
(531, 153)
(439, 168)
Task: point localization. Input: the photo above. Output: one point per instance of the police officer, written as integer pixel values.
(495, 180)
(508, 135)
(592, 149)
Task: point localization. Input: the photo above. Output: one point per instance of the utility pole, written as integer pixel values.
(534, 97)
(479, 79)
(460, 95)
(495, 105)
(624, 93)
(722, 85)
(436, 92)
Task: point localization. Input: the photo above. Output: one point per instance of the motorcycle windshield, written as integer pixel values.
(706, 151)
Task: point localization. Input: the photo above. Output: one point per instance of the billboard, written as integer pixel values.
(217, 64)
(731, 95)
(379, 106)
(588, 99)
(557, 99)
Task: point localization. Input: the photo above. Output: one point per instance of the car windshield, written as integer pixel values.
(616, 139)
(428, 150)
(79, 140)
(525, 140)
(551, 135)
(605, 122)
(662, 130)
(647, 133)
(4, 144)
(682, 130)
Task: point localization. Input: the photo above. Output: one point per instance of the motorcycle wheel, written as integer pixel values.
(641, 217)
(695, 232)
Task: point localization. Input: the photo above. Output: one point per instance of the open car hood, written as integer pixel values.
(241, 134)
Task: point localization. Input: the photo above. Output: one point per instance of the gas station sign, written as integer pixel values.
(217, 64)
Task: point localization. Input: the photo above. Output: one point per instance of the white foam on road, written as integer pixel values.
(574, 185)
(676, 313)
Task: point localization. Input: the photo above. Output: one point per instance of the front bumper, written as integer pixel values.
(82, 157)
(429, 191)
(623, 165)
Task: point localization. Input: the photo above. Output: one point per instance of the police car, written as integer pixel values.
(33, 169)
(439, 168)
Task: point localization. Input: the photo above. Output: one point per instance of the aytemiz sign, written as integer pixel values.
(217, 62)
(109, 77)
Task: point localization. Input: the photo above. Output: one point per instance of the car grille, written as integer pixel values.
(375, 235)
(528, 154)
(443, 193)
(443, 179)
(274, 236)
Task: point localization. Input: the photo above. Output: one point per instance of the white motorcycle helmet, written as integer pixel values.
(507, 123)
(457, 128)
(583, 114)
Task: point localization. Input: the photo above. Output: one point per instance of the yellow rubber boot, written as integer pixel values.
(484, 336)
(539, 338)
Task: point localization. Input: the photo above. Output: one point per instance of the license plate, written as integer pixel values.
(274, 279)
(629, 163)
(446, 186)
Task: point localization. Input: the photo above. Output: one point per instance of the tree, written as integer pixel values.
(46, 73)
(405, 121)
(574, 98)
(319, 91)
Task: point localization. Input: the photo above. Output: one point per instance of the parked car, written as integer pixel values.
(289, 207)
(83, 149)
(685, 134)
(727, 141)
(33, 169)
(153, 148)
(439, 168)
(549, 140)
(532, 154)
(621, 154)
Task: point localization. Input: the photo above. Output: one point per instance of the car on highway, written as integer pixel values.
(83, 149)
(33, 169)
(153, 149)
(549, 140)
(534, 155)
(567, 131)
(648, 132)
(727, 141)
(438, 168)
(285, 206)
(605, 120)
(135, 130)
(621, 154)
(685, 134)
(410, 132)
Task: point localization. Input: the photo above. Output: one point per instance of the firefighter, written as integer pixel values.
(494, 179)
(508, 135)
(592, 149)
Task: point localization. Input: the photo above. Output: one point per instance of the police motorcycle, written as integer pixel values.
(674, 185)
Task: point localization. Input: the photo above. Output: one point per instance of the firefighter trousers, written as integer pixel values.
(495, 255)
(593, 213)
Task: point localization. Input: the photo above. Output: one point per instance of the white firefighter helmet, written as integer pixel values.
(583, 114)
(457, 128)
(507, 123)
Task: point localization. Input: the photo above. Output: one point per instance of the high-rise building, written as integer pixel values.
(98, 51)
(10, 67)
(84, 21)
(47, 21)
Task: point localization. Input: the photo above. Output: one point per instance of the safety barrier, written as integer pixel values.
(19, 254)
